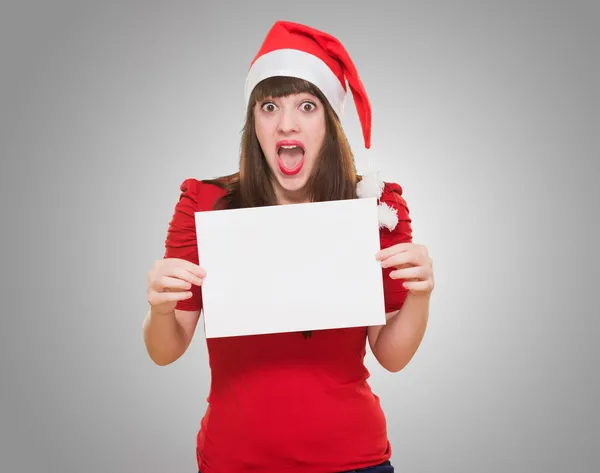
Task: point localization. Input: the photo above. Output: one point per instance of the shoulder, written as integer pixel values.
(202, 193)
(392, 207)
(388, 193)
(394, 214)
(393, 195)
(195, 195)
(392, 201)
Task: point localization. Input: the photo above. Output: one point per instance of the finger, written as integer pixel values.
(193, 268)
(419, 286)
(391, 250)
(155, 298)
(183, 274)
(168, 283)
(182, 263)
(406, 257)
(415, 272)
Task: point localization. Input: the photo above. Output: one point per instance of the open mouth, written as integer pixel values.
(290, 157)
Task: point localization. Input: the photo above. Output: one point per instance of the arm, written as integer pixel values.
(395, 343)
(168, 330)
(407, 283)
(168, 336)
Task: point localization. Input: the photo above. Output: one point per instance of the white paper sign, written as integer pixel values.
(289, 268)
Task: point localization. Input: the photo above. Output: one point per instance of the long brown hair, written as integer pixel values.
(333, 178)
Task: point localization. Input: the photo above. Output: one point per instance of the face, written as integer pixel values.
(290, 131)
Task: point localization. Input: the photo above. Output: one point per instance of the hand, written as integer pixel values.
(170, 281)
(412, 263)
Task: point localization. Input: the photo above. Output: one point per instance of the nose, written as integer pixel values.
(288, 121)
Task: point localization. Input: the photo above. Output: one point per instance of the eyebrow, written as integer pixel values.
(302, 96)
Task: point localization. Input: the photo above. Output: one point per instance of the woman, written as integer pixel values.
(293, 402)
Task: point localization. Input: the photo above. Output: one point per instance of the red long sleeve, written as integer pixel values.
(181, 236)
(394, 292)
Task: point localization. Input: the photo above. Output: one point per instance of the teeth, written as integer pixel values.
(289, 147)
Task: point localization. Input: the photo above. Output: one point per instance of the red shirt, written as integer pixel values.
(283, 403)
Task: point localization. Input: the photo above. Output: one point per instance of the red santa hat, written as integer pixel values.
(295, 50)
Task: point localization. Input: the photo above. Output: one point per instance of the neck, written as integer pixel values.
(285, 197)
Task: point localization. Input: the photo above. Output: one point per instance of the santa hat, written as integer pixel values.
(295, 50)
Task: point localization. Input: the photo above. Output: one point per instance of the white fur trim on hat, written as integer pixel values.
(295, 63)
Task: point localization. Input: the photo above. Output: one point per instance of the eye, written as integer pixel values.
(269, 107)
(308, 106)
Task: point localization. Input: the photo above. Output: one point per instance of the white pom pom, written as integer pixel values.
(388, 216)
(370, 186)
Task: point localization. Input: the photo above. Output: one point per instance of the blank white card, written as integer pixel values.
(290, 268)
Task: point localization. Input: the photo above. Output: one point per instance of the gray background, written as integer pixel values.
(485, 112)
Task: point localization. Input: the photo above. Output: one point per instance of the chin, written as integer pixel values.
(292, 184)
